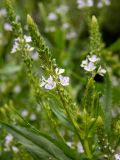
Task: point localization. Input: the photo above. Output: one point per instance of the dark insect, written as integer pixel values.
(98, 78)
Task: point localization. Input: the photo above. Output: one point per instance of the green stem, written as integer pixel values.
(85, 143)
(87, 148)
(76, 128)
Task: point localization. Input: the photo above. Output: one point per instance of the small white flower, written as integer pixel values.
(17, 89)
(90, 3)
(50, 29)
(65, 26)
(48, 84)
(81, 3)
(62, 9)
(100, 4)
(101, 71)
(80, 147)
(93, 58)
(33, 117)
(3, 12)
(71, 35)
(87, 3)
(7, 27)
(15, 48)
(29, 48)
(84, 63)
(69, 144)
(51, 84)
(27, 39)
(90, 67)
(35, 55)
(59, 71)
(107, 2)
(8, 139)
(117, 156)
(64, 80)
(43, 82)
(15, 149)
(52, 16)
(24, 113)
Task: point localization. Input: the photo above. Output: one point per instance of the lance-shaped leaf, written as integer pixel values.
(41, 146)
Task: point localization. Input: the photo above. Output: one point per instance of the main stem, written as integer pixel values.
(77, 130)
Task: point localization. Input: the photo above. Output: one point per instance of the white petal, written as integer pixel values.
(93, 58)
(27, 38)
(84, 63)
(64, 80)
(42, 84)
(90, 67)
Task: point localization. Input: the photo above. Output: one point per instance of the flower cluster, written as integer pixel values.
(8, 143)
(82, 3)
(50, 83)
(18, 41)
(90, 3)
(101, 3)
(91, 64)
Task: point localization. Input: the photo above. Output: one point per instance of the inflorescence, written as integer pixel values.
(91, 64)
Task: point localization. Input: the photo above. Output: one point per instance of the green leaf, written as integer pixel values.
(42, 146)
(115, 46)
(10, 69)
(56, 108)
(107, 103)
(38, 145)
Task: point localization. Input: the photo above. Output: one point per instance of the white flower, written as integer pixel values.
(24, 113)
(50, 29)
(7, 27)
(51, 84)
(8, 139)
(80, 147)
(64, 80)
(117, 156)
(90, 3)
(29, 48)
(48, 84)
(59, 71)
(62, 9)
(35, 55)
(93, 58)
(107, 2)
(100, 4)
(65, 26)
(43, 82)
(15, 149)
(90, 67)
(82, 3)
(69, 144)
(52, 16)
(84, 63)
(17, 89)
(101, 71)
(71, 35)
(3, 12)
(27, 39)
(15, 48)
(33, 117)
